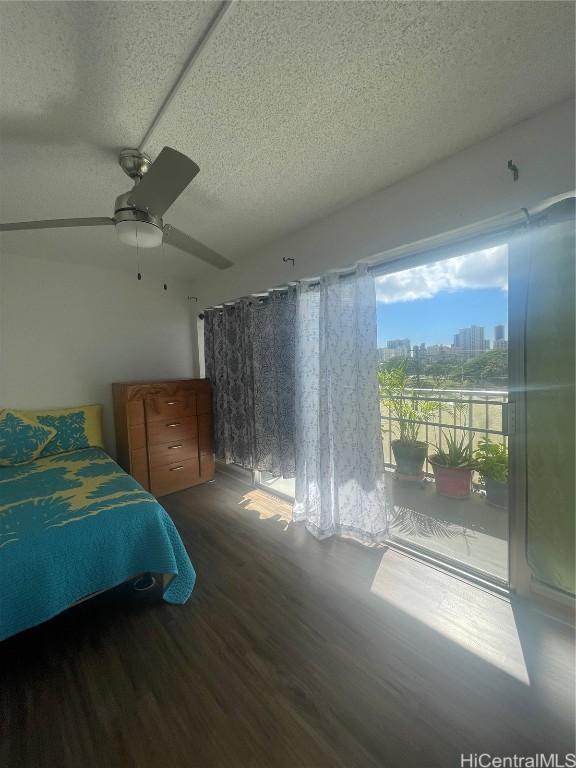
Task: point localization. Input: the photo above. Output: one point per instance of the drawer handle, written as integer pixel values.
(175, 424)
(175, 469)
(170, 447)
(173, 402)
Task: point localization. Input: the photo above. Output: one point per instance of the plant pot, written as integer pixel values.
(409, 458)
(496, 492)
(454, 482)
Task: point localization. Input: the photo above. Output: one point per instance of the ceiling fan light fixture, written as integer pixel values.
(140, 233)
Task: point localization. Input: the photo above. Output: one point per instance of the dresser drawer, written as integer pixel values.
(165, 408)
(174, 477)
(177, 450)
(171, 430)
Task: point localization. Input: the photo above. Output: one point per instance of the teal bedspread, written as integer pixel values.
(75, 524)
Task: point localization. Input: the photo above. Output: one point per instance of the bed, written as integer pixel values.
(74, 524)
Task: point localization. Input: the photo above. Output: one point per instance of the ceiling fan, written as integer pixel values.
(138, 213)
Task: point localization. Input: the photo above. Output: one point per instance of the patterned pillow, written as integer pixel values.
(92, 420)
(21, 439)
(70, 432)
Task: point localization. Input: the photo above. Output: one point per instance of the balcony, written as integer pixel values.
(468, 531)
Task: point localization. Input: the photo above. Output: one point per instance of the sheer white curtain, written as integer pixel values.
(339, 457)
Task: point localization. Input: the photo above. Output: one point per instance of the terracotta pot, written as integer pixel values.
(496, 492)
(452, 481)
(409, 458)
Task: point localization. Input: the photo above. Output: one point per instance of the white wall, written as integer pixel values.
(466, 188)
(67, 331)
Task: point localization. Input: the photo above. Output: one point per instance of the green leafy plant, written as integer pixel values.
(410, 411)
(457, 453)
(491, 460)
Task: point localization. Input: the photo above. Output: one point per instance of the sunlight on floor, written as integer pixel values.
(477, 620)
(267, 506)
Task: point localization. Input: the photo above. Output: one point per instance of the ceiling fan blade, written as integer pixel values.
(166, 179)
(55, 224)
(184, 242)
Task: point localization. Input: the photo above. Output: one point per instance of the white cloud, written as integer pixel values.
(482, 269)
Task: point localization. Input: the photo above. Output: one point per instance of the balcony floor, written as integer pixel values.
(468, 531)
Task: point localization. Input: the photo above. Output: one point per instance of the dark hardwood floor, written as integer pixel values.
(291, 653)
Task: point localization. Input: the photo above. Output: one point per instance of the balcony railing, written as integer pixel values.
(480, 413)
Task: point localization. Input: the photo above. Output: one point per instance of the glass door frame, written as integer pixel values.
(515, 531)
(260, 483)
(520, 579)
(516, 522)
(518, 569)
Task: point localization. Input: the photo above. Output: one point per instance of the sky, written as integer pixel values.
(430, 304)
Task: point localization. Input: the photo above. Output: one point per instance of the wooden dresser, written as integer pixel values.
(164, 433)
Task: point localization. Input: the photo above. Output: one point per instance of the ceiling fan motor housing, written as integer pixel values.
(135, 226)
(134, 163)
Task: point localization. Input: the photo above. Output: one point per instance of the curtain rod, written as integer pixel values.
(418, 253)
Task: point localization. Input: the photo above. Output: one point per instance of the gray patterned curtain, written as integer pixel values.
(249, 354)
(273, 342)
(228, 359)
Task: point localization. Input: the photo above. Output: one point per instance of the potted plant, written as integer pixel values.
(491, 463)
(410, 413)
(453, 466)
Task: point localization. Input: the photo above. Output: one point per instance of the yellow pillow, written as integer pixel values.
(79, 427)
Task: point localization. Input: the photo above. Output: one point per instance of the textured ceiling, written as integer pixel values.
(294, 109)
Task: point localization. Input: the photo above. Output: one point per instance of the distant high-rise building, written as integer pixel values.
(486, 344)
(501, 344)
(384, 354)
(470, 341)
(498, 332)
(394, 348)
(398, 344)
(439, 351)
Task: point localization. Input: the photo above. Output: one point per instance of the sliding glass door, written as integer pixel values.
(443, 347)
(281, 486)
(476, 374)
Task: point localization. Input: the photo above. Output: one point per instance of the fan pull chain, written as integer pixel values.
(164, 266)
(138, 255)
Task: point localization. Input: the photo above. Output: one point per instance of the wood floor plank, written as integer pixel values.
(291, 653)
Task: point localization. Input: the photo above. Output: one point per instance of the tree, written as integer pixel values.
(488, 368)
